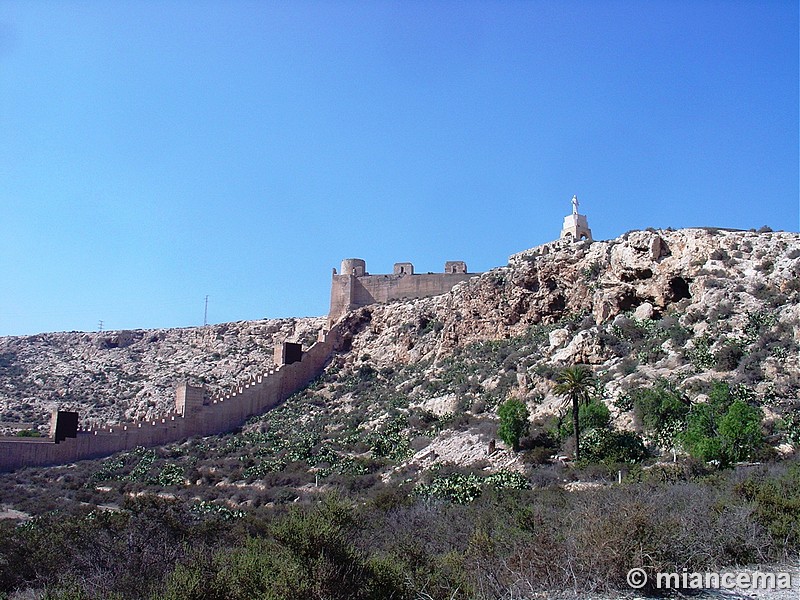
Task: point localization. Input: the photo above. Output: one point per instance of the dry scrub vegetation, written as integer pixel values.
(382, 479)
(392, 543)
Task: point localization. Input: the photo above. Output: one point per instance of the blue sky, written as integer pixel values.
(154, 152)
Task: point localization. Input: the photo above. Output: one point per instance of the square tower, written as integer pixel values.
(189, 399)
(455, 266)
(403, 268)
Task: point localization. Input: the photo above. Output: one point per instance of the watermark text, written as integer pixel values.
(723, 580)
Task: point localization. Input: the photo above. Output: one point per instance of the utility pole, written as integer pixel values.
(205, 313)
(100, 325)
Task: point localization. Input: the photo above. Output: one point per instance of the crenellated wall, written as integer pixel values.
(354, 287)
(195, 414)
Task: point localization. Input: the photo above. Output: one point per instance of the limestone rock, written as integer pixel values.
(643, 311)
(115, 376)
(585, 348)
(439, 406)
(558, 337)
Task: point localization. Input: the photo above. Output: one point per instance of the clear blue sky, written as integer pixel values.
(154, 152)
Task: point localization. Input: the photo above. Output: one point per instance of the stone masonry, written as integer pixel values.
(354, 287)
(195, 414)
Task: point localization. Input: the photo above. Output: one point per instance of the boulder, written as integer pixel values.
(558, 337)
(643, 311)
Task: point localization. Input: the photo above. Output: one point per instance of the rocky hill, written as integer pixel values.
(115, 376)
(692, 337)
(688, 307)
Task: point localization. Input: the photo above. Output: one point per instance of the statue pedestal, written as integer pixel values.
(576, 227)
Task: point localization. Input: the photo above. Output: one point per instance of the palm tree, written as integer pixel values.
(575, 384)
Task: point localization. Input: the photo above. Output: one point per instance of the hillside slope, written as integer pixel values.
(687, 307)
(115, 376)
(416, 383)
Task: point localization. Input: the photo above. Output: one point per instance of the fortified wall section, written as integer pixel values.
(195, 414)
(355, 287)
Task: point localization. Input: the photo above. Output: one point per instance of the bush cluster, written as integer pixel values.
(506, 541)
(723, 429)
(601, 442)
(726, 429)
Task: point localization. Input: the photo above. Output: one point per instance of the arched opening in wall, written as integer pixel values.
(453, 269)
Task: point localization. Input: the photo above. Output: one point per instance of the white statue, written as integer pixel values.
(575, 205)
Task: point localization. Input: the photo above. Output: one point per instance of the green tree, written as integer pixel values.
(740, 431)
(513, 422)
(723, 429)
(611, 446)
(658, 404)
(575, 384)
(662, 410)
(592, 415)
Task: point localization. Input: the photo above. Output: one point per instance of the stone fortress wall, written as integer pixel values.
(195, 413)
(354, 287)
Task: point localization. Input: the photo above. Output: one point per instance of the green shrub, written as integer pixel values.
(759, 323)
(700, 355)
(513, 422)
(624, 402)
(790, 426)
(456, 487)
(463, 488)
(171, 474)
(723, 429)
(28, 433)
(612, 446)
(661, 409)
(740, 432)
(309, 554)
(594, 415)
(390, 442)
(777, 506)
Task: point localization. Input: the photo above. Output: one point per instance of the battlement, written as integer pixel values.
(196, 413)
(354, 287)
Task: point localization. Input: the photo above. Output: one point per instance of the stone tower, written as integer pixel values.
(575, 226)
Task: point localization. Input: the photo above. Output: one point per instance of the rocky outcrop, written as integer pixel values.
(713, 287)
(692, 305)
(690, 271)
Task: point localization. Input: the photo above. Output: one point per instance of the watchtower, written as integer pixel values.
(288, 353)
(354, 266)
(189, 399)
(403, 268)
(455, 266)
(63, 425)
